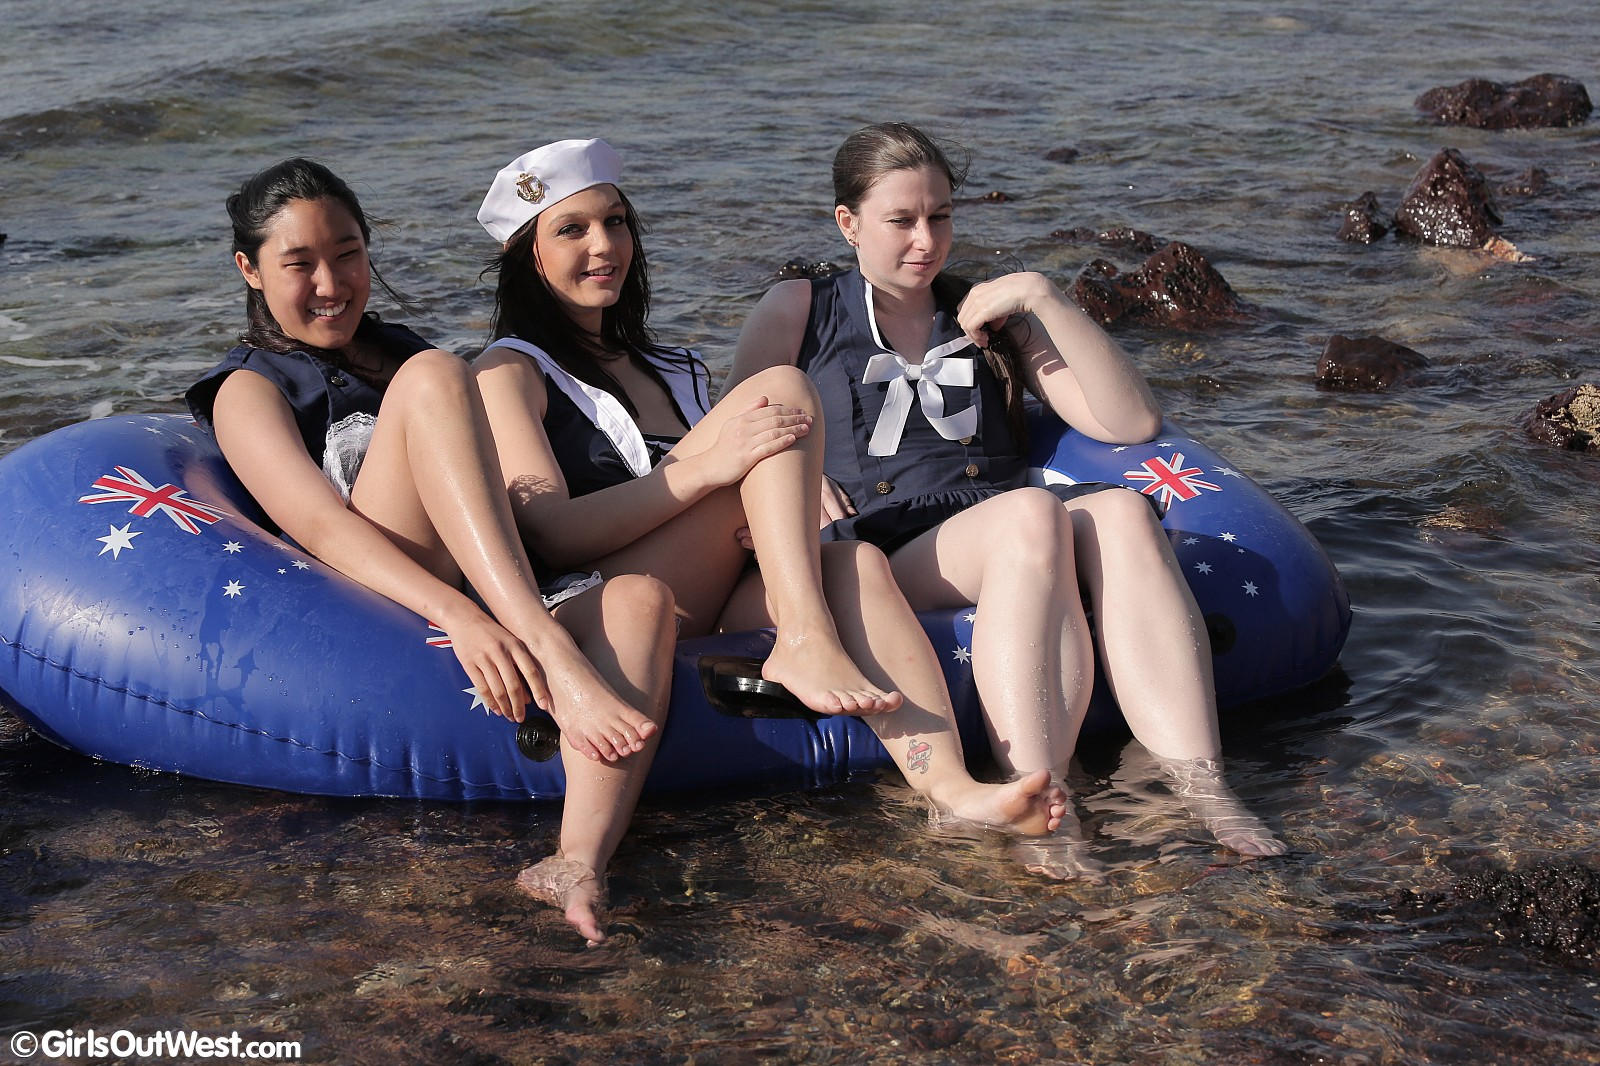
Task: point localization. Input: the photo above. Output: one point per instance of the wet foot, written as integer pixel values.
(1032, 805)
(819, 674)
(1060, 857)
(1201, 787)
(593, 720)
(570, 886)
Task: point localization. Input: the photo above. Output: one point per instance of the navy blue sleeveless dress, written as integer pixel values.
(910, 465)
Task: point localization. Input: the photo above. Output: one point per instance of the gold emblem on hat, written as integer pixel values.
(530, 188)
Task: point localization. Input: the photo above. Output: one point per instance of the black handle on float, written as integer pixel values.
(538, 737)
(733, 686)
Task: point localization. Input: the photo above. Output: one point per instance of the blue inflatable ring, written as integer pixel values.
(147, 618)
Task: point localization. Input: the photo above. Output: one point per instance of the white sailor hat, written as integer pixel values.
(533, 181)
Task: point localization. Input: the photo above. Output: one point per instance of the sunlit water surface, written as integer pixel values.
(1460, 733)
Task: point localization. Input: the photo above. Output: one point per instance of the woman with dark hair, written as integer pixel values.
(616, 461)
(369, 447)
(922, 379)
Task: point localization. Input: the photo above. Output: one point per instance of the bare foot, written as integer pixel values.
(1200, 785)
(593, 719)
(1061, 858)
(571, 886)
(819, 674)
(1032, 805)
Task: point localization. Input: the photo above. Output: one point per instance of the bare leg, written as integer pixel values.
(880, 632)
(426, 483)
(627, 630)
(779, 501)
(1031, 654)
(1158, 658)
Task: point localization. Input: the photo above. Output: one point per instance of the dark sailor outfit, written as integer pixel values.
(333, 408)
(596, 442)
(911, 443)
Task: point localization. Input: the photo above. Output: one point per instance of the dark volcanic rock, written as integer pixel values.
(1551, 907)
(1361, 225)
(1366, 363)
(1447, 204)
(1530, 182)
(993, 196)
(1062, 155)
(1569, 420)
(799, 268)
(1542, 100)
(1176, 286)
(1115, 237)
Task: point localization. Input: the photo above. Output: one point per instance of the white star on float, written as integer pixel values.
(117, 539)
(1228, 471)
(970, 616)
(281, 570)
(1250, 589)
(1229, 537)
(153, 429)
(233, 589)
(1189, 541)
(1164, 444)
(233, 547)
(962, 655)
(301, 564)
(1202, 568)
(477, 699)
(1120, 448)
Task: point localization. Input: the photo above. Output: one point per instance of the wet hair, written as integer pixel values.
(872, 153)
(251, 211)
(524, 307)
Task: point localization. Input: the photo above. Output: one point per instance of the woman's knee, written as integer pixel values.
(430, 378)
(863, 563)
(642, 597)
(1128, 514)
(786, 385)
(1029, 528)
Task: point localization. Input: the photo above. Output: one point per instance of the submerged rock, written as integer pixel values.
(1361, 225)
(1176, 287)
(1569, 419)
(1540, 101)
(1062, 155)
(1551, 907)
(993, 196)
(1447, 204)
(800, 268)
(1368, 364)
(1530, 182)
(1111, 237)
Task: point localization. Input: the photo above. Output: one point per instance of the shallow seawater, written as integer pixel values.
(1460, 732)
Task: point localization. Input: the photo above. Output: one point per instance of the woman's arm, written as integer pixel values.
(1069, 361)
(567, 531)
(256, 431)
(772, 334)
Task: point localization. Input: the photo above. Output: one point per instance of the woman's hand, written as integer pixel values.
(763, 429)
(836, 502)
(989, 305)
(500, 666)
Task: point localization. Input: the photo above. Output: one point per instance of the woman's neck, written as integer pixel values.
(892, 302)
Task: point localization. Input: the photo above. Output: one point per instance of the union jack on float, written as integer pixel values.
(128, 486)
(1170, 479)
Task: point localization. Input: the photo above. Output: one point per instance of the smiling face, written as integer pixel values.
(583, 249)
(902, 229)
(312, 270)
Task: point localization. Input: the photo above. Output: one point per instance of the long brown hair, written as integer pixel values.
(869, 155)
(251, 211)
(524, 307)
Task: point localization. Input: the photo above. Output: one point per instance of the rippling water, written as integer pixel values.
(1460, 732)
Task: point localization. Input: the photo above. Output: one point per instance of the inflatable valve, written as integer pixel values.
(538, 737)
(734, 686)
